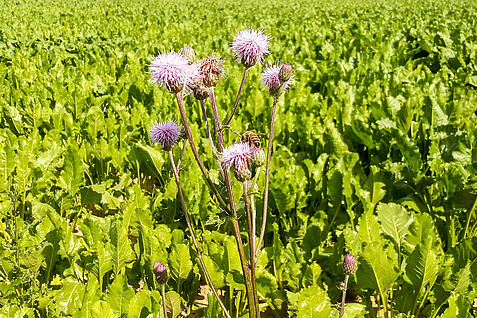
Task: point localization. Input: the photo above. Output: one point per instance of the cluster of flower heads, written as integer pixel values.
(180, 73)
(240, 156)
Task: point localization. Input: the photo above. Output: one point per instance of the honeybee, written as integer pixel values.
(251, 137)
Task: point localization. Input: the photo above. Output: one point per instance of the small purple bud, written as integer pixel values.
(286, 72)
(189, 53)
(160, 271)
(349, 264)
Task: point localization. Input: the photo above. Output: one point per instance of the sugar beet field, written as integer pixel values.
(238, 158)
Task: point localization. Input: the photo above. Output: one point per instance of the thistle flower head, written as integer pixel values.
(210, 68)
(160, 271)
(166, 133)
(250, 46)
(349, 264)
(173, 70)
(271, 79)
(238, 157)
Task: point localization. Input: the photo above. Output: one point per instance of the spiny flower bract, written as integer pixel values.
(210, 68)
(250, 46)
(173, 70)
(349, 264)
(166, 133)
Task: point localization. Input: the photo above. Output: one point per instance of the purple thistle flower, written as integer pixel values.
(160, 271)
(238, 156)
(349, 264)
(166, 133)
(270, 78)
(250, 46)
(173, 70)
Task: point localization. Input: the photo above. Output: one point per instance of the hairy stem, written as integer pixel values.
(192, 235)
(251, 236)
(267, 175)
(211, 140)
(185, 122)
(163, 294)
(229, 119)
(343, 297)
(238, 237)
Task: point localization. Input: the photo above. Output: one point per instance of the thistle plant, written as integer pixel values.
(168, 134)
(349, 265)
(182, 75)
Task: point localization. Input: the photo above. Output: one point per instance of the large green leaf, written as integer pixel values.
(69, 298)
(120, 245)
(180, 261)
(72, 174)
(7, 161)
(377, 268)
(119, 295)
(458, 308)
(422, 268)
(368, 228)
(395, 221)
(422, 229)
(311, 302)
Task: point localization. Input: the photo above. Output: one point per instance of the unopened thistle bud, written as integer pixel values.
(198, 89)
(160, 271)
(286, 72)
(259, 157)
(189, 53)
(349, 264)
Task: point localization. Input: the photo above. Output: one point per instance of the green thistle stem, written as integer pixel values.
(343, 297)
(267, 175)
(229, 119)
(251, 238)
(238, 237)
(185, 122)
(192, 235)
(211, 140)
(163, 294)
